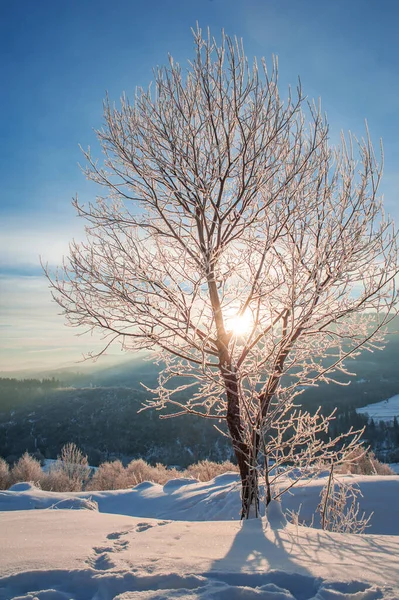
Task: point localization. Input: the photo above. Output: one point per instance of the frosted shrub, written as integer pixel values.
(339, 508)
(114, 476)
(26, 469)
(56, 480)
(361, 462)
(382, 468)
(74, 464)
(205, 470)
(70, 473)
(161, 474)
(4, 474)
(138, 471)
(109, 476)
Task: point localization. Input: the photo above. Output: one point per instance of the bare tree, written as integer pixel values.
(254, 258)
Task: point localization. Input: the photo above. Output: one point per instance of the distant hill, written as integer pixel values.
(104, 422)
(96, 407)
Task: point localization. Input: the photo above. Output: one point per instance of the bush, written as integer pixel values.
(71, 472)
(205, 470)
(73, 465)
(339, 508)
(4, 474)
(56, 480)
(26, 469)
(114, 476)
(138, 471)
(362, 462)
(109, 476)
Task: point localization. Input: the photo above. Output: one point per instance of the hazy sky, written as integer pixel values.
(57, 60)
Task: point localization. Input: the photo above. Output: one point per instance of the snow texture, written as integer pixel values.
(197, 549)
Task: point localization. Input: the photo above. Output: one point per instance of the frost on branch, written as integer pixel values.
(339, 508)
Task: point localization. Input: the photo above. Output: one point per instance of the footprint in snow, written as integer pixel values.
(101, 556)
(143, 527)
(121, 545)
(101, 562)
(102, 549)
(116, 535)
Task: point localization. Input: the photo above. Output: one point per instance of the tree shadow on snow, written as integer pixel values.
(259, 556)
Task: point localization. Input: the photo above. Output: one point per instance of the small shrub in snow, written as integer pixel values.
(361, 462)
(138, 471)
(109, 476)
(26, 469)
(56, 480)
(162, 474)
(339, 507)
(114, 476)
(73, 464)
(4, 474)
(205, 470)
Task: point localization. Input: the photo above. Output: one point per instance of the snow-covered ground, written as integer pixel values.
(184, 540)
(385, 410)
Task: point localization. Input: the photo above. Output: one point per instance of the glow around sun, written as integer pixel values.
(239, 324)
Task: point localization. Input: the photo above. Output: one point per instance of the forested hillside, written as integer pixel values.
(104, 423)
(98, 410)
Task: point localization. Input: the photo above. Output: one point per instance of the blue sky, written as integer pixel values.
(57, 59)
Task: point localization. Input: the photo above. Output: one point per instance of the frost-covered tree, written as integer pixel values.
(233, 241)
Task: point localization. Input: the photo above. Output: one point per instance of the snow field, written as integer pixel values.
(195, 547)
(386, 410)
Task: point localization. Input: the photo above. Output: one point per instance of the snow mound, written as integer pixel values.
(144, 485)
(225, 478)
(275, 515)
(174, 484)
(75, 504)
(23, 487)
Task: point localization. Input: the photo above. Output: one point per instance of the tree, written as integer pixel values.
(254, 258)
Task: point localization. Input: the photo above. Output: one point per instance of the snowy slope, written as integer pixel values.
(58, 554)
(382, 411)
(219, 499)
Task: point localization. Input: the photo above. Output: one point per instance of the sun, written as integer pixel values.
(239, 324)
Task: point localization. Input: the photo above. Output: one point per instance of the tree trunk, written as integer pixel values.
(249, 494)
(246, 453)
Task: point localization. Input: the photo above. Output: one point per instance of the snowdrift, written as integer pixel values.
(219, 499)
